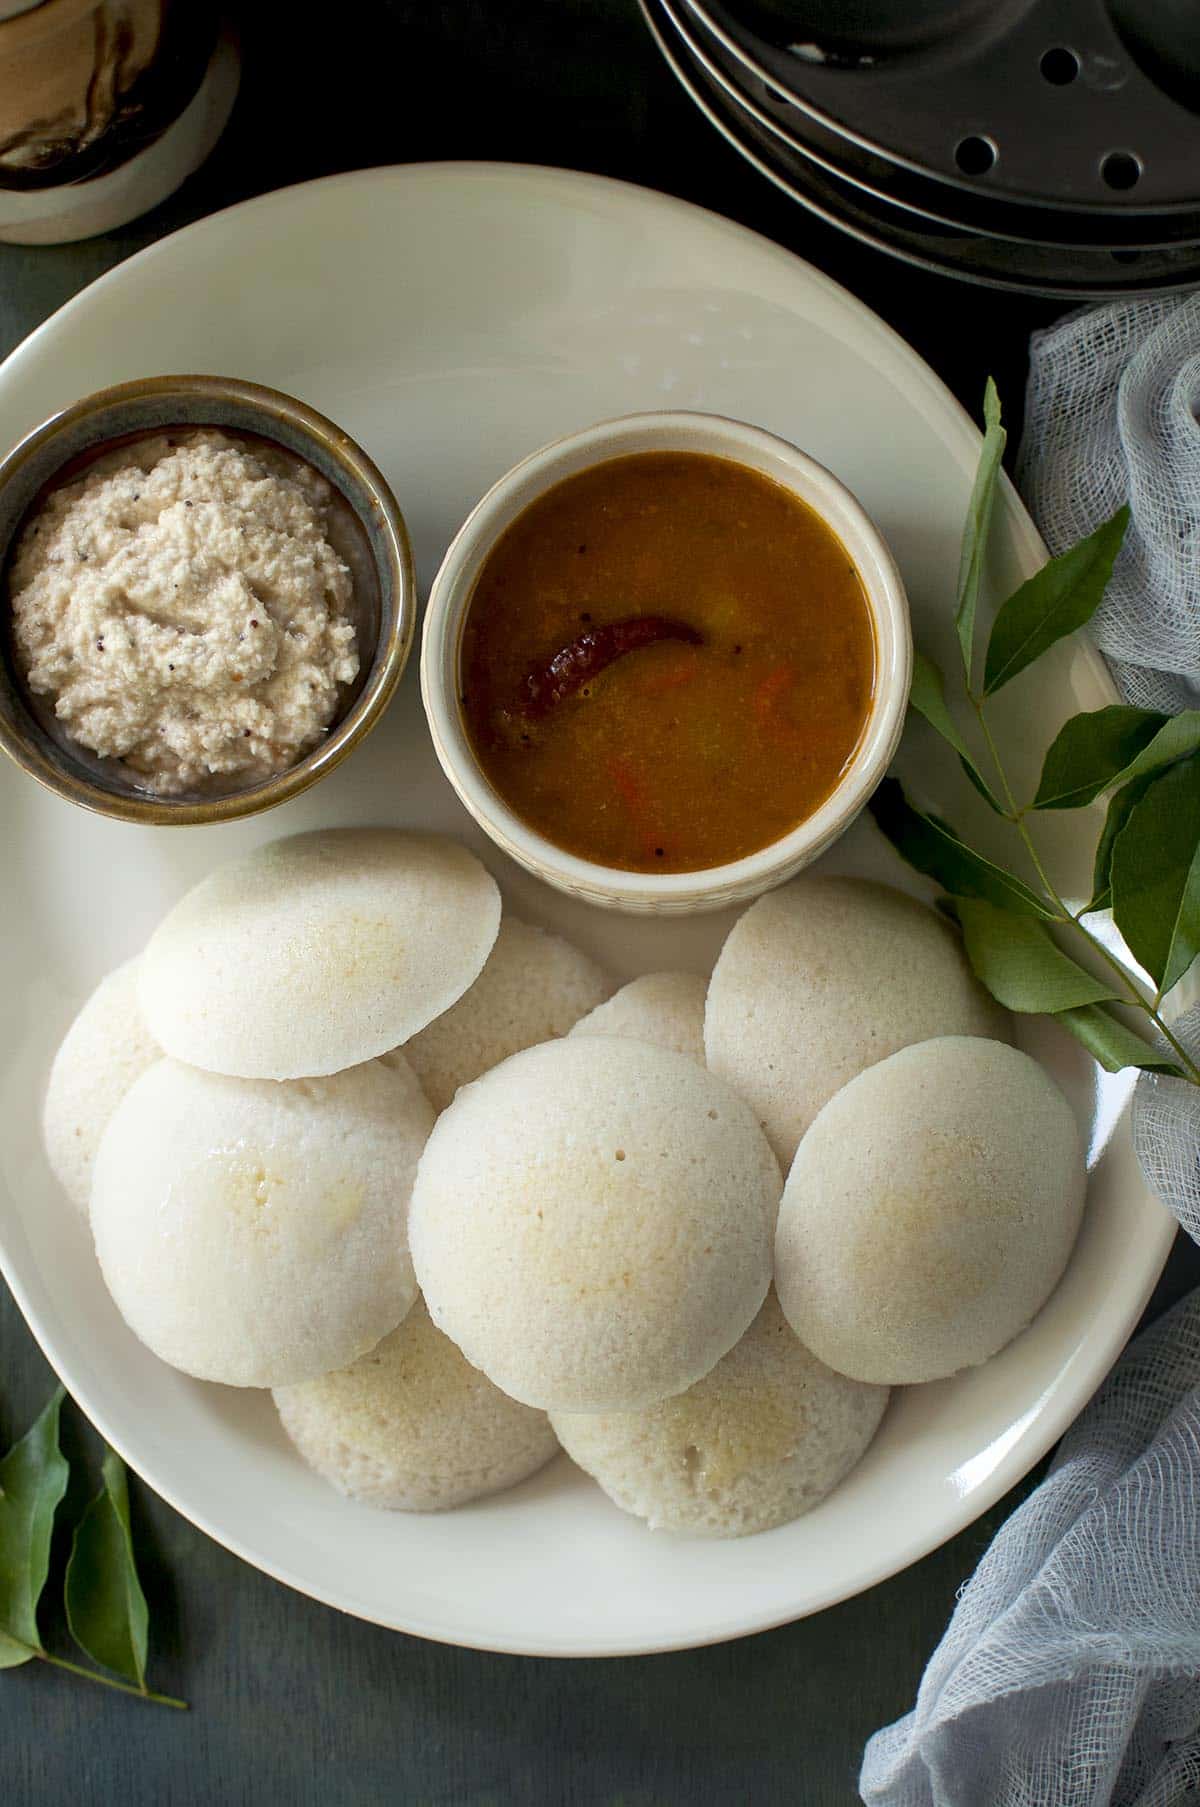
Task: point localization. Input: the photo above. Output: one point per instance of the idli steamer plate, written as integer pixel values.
(1067, 271)
(904, 187)
(474, 312)
(1081, 238)
(987, 68)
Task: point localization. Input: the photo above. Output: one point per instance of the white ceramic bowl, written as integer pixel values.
(713, 887)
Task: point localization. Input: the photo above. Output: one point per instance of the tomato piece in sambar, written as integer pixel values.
(667, 662)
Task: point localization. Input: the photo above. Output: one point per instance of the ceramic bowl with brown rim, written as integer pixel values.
(365, 527)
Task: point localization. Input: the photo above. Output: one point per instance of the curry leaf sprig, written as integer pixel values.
(1146, 869)
(105, 1606)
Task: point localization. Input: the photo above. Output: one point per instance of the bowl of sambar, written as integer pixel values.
(666, 661)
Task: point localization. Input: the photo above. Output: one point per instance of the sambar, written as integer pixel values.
(667, 662)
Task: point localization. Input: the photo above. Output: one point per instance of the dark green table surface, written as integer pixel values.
(292, 1703)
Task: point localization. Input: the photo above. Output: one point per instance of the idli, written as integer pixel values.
(591, 1223)
(413, 1426)
(318, 952)
(253, 1232)
(664, 1009)
(823, 978)
(106, 1048)
(759, 1441)
(929, 1212)
(534, 986)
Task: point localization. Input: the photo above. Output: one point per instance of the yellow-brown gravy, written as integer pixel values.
(667, 662)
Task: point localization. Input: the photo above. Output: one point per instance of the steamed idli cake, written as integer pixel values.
(930, 1211)
(534, 986)
(664, 1009)
(106, 1048)
(591, 1223)
(318, 952)
(413, 1426)
(253, 1232)
(759, 1441)
(823, 978)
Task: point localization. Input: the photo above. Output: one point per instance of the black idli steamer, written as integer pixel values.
(1046, 146)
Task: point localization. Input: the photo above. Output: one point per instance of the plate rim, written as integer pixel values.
(912, 375)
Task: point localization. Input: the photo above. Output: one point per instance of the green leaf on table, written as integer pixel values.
(33, 1479)
(1109, 1041)
(934, 848)
(106, 1608)
(1021, 964)
(1155, 875)
(1057, 600)
(978, 524)
(928, 698)
(1120, 804)
(1091, 751)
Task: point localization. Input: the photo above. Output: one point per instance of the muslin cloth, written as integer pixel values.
(1069, 1675)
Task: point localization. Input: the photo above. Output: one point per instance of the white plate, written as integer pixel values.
(453, 317)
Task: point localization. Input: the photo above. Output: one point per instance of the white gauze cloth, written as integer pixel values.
(1069, 1675)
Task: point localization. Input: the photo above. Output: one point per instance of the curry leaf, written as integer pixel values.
(1059, 598)
(988, 796)
(1156, 875)
(1120, 805)
(1108, 1040)
(978, 524)
(1147, 862)
(928, 697)
(1020, 963)
(33, 1476)
(106, 1608)
(1091, 751)
(1178, 738)
(934, 848)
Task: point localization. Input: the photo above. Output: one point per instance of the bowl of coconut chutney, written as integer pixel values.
(208, 599)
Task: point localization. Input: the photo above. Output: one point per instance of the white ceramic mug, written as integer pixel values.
(105, 109)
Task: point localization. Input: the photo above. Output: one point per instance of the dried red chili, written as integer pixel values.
(592, 652)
